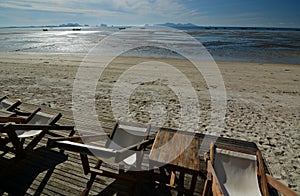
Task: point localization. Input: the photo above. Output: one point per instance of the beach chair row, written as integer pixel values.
(229, 170)
(17, 126)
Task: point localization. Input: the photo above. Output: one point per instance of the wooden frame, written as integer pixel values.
(212, 185)
(2, 98)
(76, 144)
(12, 109)
(9, 128)
(8, 109)
(13, 106)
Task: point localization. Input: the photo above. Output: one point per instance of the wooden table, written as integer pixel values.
(176, 151)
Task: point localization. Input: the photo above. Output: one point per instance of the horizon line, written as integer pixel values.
(149, 25)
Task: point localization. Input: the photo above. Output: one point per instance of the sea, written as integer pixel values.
(239, 44)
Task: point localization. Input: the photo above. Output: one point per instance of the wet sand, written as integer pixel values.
(263, 100)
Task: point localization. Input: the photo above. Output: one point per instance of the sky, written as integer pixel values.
(258, 13)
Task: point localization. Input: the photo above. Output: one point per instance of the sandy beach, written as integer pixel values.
(263, 100)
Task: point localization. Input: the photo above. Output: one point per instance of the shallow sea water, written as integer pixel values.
(238, 44)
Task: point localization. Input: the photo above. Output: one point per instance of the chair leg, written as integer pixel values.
(22, 141)
(193, 183)
(92, 179)
(89, 184)
(137, 186)
(152, 174)
(85, 164)
(121, 169)
(207, 186)
(36, 140)
(139, 158)
(181, 179)
(18, 146)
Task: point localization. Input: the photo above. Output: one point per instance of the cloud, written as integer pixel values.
(167, 9)
(53, 6)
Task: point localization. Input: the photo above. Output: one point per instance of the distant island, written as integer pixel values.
(50, 26)
(72, 25)
(178, 25)
(191, 26)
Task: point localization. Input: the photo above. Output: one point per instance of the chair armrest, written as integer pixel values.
(136, 146)
(15, 127)
(21, 113)
(25, 127)
(12, 119)
(144, 144)
(80, 139)
(84, 149)
(62, 127)
(14, 106)
(279, 186)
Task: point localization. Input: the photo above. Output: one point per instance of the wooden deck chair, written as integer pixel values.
(8, 108)
(15, 130)
(237, 172)
(124, 145)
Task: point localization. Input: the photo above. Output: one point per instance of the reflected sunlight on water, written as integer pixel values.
(251, 45)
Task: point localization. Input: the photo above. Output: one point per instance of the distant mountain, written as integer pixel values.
(178, 25)
(50, 26)
(70, 25)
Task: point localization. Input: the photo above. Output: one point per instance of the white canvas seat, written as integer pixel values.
(235, 172)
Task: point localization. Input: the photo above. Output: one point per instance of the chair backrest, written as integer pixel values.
(236, 172)
(40, 118)
(2, 98)
(37, 118)
(3, 104)
(8, 105)
(125, 135)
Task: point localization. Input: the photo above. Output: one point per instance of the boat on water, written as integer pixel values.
(76, 29)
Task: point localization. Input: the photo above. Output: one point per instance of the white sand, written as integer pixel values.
(263, 99)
